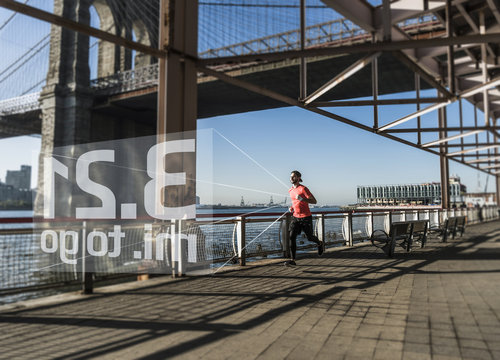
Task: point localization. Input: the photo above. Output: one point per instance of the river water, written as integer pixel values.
(19, 259)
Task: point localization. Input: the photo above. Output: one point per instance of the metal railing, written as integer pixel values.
(238, 238)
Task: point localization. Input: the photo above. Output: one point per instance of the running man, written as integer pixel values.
(302, 218)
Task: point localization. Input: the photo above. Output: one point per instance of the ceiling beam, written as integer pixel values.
(450, 138)
(376, 102)
(413, 115)
(344, 75)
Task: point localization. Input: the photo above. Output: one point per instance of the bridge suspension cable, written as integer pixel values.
(26, 59)
(24, 55)
(10, 18)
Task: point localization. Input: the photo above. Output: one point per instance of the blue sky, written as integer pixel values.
(333, 157)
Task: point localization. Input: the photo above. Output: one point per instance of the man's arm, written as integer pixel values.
(310, 200)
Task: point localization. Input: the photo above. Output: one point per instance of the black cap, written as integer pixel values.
(297, 173)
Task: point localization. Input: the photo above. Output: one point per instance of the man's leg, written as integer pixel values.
(308, 230)
(295, 229)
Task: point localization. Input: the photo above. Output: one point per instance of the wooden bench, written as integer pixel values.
(418, 234)
(450, 227)
(406, 232)
(460, 225)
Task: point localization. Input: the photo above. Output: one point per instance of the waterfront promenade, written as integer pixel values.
(441, 302)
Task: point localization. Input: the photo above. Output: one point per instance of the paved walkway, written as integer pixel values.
(442, 302)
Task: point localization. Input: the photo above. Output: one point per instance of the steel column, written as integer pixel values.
(461, 116)
(303, 64)
(177, 94)
(375, 89)
(449, 34)
(417, 88)
(386, 19)
(443, 160)
(482, 30)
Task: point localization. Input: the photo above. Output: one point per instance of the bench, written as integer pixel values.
(406, 232)
(460, 226)
(450, 227)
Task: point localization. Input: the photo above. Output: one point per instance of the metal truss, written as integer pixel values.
(461, 63)
(456, 51)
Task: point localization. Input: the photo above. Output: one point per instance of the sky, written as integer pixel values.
(253, 153)
(334, 158)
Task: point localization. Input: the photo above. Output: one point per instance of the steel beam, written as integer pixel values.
(377, 102)
(472, 24)
(414, 115)
(375, 89)
(490, 167)
(417, 93)
(473, 150)
(347, 73)
(480, 87)
(434, 129)
(496, 13)
(465, 145)
(251, 87)
(450, 138)
(450, 54)
(486, 103)
(484, 160)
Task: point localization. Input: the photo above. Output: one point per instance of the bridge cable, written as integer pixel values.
(25, 54)
(10, 18)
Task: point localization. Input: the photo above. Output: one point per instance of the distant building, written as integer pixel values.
(12, 194)
(411, 194)
(19, 179)
(16, 191)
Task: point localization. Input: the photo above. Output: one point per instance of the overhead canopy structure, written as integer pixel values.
(458, 56)
(454, 50)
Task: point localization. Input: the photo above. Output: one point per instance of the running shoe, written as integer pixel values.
(290, 263)
(321, 248)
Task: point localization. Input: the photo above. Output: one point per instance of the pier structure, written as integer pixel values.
(152, 80)
(395, 47)
(440, 301)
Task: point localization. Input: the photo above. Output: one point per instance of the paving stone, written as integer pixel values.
(469, 353)
(434, 303)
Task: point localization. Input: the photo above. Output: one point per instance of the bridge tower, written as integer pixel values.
(67, 99)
